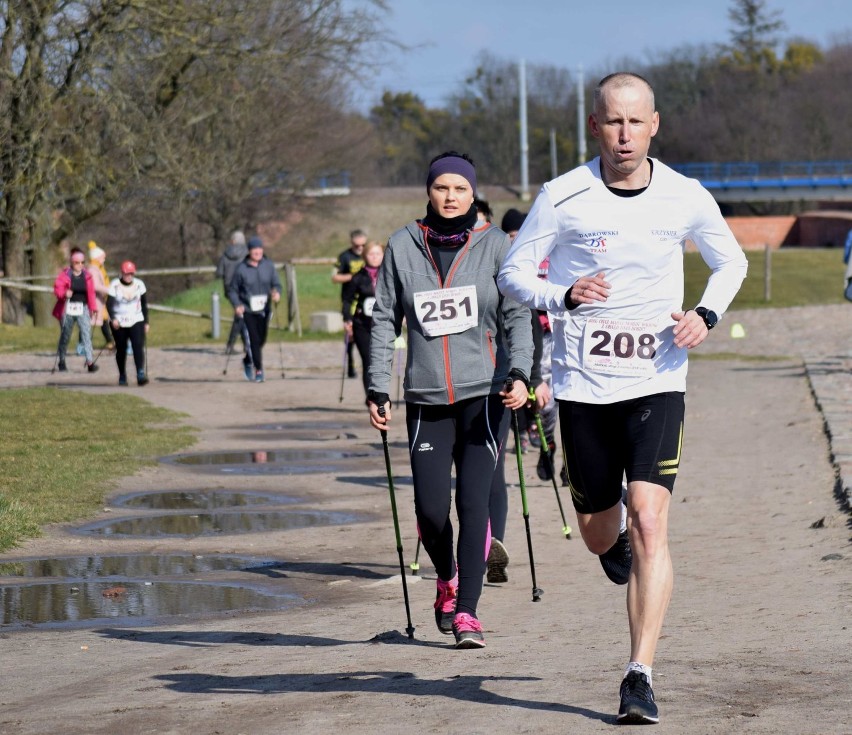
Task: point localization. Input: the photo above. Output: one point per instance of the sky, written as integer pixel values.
(446, 37)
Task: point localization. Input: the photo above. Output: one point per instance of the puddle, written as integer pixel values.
(279, 461)
(210, 524)
(49, 603)
(130, 565)
(200, 500)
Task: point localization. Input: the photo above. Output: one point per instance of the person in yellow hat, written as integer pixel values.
(97, 258)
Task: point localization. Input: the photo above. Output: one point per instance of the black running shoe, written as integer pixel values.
(637, 701)
(617, 561)
(544, 468)
(498, 560)
(91, 367)
(62, 367)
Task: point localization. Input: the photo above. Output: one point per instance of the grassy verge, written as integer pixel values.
(314, 286)
(62, 451)
(799, 277)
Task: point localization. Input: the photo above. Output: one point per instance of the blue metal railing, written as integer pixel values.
(771, 174)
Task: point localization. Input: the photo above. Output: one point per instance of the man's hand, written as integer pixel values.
(690, 330)
(589, 289)
(276, 297)
(240, 310)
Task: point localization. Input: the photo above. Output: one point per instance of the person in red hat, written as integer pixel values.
(127, 304)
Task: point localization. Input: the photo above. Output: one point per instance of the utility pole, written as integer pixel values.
(554, 168)
(581, 118)
(525, 148)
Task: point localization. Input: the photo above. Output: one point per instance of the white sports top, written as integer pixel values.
(637, 242)
(128, 301)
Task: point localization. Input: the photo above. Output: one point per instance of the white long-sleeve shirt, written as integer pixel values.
(622, 348)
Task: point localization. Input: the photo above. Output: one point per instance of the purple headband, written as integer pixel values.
(452, 165)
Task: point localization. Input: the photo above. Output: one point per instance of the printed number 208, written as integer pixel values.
(624, 345)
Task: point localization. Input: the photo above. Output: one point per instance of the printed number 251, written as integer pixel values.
(447, 307)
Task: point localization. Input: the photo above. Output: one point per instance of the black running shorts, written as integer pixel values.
(641, 438)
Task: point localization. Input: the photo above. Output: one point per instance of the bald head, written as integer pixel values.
(619, 80)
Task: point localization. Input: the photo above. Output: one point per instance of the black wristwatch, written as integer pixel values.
(710, 318)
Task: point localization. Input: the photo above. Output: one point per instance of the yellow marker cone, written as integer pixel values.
(737, 331)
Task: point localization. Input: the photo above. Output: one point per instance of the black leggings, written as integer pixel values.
(255, 326)
(135, 334)
(361, 338)
(470, 435)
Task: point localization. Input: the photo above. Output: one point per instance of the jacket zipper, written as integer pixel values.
(491, 347)
(451, 394)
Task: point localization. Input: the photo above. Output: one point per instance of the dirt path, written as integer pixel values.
(756, 640)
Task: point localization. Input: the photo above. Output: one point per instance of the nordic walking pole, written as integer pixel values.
(61, 329)
(545, 447)
(384, 433)
(95, 361)
(415, 565)
(345, 358)
(537, 592)
(280, 348)
(231, 351)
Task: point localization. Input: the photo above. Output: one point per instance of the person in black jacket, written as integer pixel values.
(234, 254)
(358, 301)
(255, 282)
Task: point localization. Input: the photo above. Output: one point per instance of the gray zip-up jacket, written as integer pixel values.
(446, 369)
(251, 281)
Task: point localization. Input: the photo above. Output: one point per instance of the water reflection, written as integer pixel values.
(201, 500)
(130, 565)
(207, 524)
(68, 603)
(277, 456)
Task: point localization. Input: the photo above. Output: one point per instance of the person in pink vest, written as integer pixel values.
(75, 304)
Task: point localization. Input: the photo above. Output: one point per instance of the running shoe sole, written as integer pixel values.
(635, 716)
(498, 560)
(469, 640)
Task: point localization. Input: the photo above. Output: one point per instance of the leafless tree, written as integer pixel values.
(100, 97)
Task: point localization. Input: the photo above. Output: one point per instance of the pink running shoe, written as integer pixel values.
(445, 604)
(468, 631)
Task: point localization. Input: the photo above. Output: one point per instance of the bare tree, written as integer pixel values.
(96, 94)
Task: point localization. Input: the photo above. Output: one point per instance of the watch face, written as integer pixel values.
(710, 318)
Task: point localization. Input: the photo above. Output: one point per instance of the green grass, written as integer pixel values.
(800, 277)
(313, 282)
(62, 451)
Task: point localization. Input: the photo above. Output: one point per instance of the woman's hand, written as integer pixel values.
(516, 397)
(376, 419)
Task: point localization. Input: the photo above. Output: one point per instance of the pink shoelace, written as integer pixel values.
(465, 623)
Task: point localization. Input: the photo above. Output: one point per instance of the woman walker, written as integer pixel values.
(358, 303)
(464, 341)
(127, 304)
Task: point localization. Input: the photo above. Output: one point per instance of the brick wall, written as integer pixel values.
(754, 233)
